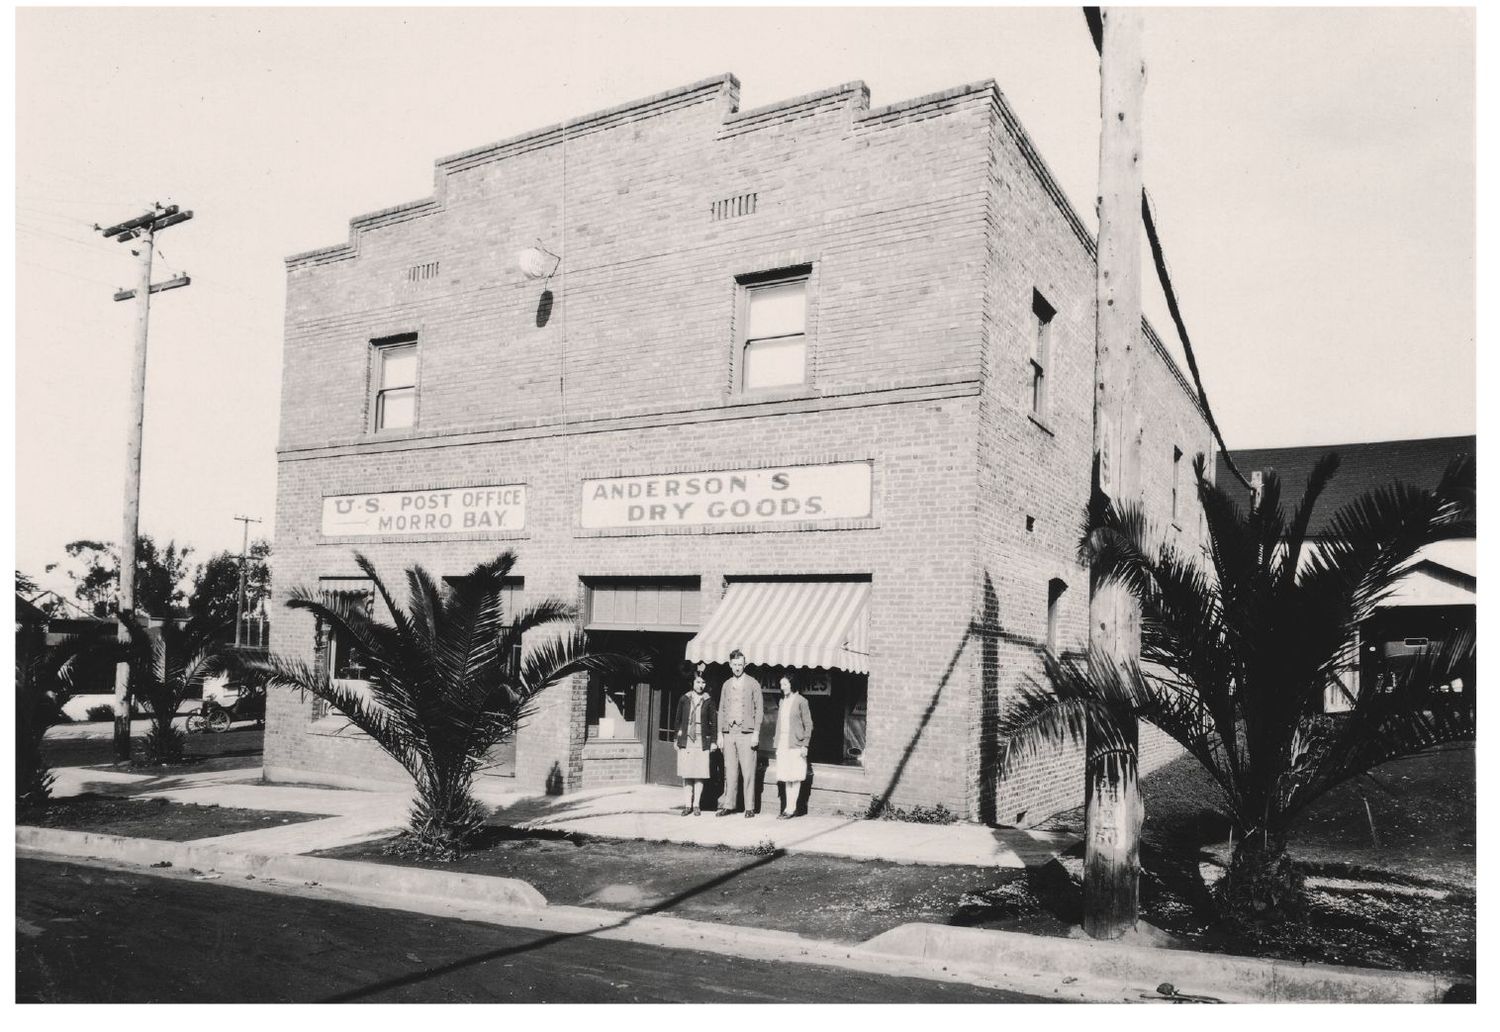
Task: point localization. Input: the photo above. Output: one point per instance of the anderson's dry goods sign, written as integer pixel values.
(779, 494)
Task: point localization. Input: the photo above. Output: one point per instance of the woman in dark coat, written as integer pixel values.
(696, 728)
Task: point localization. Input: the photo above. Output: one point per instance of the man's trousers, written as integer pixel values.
(739, 763)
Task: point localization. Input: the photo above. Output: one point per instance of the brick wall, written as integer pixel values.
(1035, 471)
(926, 224)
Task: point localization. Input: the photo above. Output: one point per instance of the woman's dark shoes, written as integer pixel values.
(723, 812)
(688, 811)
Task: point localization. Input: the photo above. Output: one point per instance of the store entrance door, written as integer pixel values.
(670, 681)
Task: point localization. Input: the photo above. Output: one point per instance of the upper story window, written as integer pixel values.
(395, 378)
(773, 348)
(1041, 353)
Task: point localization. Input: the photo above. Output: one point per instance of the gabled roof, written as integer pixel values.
(27, 613)
(1362, 467)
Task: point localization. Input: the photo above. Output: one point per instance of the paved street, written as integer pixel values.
(79, 930)
(91, 743)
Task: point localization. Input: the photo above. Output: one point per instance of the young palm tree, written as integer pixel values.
(166, 668)
(443, 689)
(1236, 660)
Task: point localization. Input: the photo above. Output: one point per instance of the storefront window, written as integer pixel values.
(836, 701)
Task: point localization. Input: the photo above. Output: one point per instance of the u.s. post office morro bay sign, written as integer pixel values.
(445, 510)
(777, 494)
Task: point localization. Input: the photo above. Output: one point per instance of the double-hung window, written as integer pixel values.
(773, 348)
(395, 376)
(1041, 353)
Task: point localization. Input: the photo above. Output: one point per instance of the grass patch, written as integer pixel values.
(159, 819)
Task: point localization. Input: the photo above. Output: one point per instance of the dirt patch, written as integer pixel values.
(853, 900)
(821, 896)
(1423, 810)
(159, 819)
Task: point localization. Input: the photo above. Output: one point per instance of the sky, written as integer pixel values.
(1313, 172)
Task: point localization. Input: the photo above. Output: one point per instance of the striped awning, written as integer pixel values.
(812, 623)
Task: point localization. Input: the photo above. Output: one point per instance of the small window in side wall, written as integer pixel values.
(395, 379)
(1056, 588)
(1176, 484)
(773, 342)
(1041, 353)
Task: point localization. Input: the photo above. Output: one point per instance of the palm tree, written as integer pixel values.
(166, 668)
(1236, 659)
(42, 676)
(442, 686)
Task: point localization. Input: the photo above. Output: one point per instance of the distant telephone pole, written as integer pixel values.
(143, 229)
(239, 599)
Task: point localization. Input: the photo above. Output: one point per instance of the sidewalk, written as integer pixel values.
(273, 860)
(645, 812)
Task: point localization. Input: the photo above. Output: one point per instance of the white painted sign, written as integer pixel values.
(450, 510)
(779, 494)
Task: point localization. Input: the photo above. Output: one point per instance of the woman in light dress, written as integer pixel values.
(793, 733)
(697, 725)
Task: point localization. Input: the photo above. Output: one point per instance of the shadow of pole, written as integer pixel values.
(986, 627)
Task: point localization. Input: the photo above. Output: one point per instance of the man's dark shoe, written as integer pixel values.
(723, 812)
(749, 813)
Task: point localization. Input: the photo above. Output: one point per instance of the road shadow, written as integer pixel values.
(544, 811)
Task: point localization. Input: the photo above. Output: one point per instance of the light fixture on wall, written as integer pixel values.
(537, 262)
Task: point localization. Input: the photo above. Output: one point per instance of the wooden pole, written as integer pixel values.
(143, 229)
(239, 599)
(1112, 802)
(130, 526)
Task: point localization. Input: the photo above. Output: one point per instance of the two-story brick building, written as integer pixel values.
(812, 380)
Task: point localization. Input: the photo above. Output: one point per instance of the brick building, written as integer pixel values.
(813, 379)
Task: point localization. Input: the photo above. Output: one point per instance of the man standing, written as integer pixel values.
(739, 733)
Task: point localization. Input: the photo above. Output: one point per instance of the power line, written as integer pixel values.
(1096, 31)
(60, 272)
(1160, 261)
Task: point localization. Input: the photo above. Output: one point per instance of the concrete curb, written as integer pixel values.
(1138, 967)
(350, 875)
(1077, 969)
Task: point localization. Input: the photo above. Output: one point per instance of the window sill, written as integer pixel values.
(335, 725)
(1040, 425)
(613, 749)
(836, 777)
(791, 393)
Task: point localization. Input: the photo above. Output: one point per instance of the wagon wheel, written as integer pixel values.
(195, 722)
(218, 721)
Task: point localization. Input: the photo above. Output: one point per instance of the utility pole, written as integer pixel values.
(143, 229)
(1112, 800)
(239, 599)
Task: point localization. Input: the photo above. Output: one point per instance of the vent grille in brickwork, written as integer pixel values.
(425, 271)
(734, 207)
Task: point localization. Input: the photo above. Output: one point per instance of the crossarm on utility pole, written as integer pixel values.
(156, 288)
